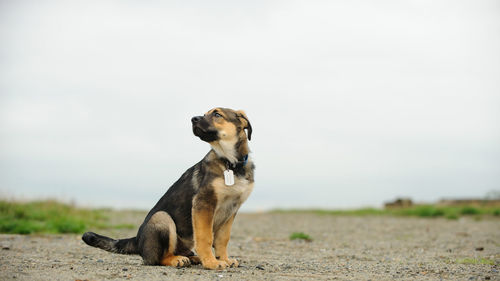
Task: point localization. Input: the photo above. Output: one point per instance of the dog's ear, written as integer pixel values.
(246, 123)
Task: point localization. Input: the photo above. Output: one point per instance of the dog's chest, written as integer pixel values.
(230, 198)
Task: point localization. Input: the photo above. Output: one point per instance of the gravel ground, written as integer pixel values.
(344, 248)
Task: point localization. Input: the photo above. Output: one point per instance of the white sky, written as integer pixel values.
(353, 103)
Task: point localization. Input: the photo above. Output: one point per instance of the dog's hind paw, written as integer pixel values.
(177, 261)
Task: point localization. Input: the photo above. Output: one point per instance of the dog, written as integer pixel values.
(198, 210)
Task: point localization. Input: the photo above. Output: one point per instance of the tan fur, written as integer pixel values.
(224, 147)
(243, 117)
(203, 237)
(229, 199)
(164, 220)
(221, 240)
(194, 179)
(178, 261)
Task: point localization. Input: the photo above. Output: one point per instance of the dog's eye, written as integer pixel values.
(216, 114)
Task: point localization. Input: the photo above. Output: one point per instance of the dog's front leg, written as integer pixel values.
(203, 219)
(222, 236)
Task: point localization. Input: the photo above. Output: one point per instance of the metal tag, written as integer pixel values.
(229, 177)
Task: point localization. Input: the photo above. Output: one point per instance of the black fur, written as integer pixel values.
(122, 246)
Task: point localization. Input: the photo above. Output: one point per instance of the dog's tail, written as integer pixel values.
(122, 246)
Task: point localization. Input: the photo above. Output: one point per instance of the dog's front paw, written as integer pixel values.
(232, 262)
(214, 264)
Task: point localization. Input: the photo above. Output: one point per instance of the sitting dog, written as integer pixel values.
(198, 210)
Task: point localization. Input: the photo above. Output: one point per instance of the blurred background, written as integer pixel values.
(353, 103)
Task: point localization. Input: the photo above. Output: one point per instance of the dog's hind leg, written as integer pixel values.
(158, 241)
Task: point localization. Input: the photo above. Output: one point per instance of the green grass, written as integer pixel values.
(426, 211)
(476, 261)
(357, 212)
(50, 217)
(301, 236)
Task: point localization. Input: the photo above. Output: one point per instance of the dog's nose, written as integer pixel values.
(196, 119)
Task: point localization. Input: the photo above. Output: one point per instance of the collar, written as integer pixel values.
(238, 165)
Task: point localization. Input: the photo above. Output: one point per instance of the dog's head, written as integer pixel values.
(222, 124)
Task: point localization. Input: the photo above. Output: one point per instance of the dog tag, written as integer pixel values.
(229, 177)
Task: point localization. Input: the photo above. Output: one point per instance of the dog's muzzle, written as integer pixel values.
(201, 129)
(196, 119)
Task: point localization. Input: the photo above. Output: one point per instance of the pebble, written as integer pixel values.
(260, 267)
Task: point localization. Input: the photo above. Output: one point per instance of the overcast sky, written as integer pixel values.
(353, 103)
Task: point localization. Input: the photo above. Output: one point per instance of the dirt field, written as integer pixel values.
(344, 248)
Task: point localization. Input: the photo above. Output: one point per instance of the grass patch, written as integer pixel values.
(421, 211)
(450, 212)
(476, 261)
(425, 211)
(356, 212)
(470, 211)
(300, 236)
(49, 217)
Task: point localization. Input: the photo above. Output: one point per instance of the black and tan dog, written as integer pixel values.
(198, 210)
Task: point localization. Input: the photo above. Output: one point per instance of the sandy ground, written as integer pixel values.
(344, 248)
